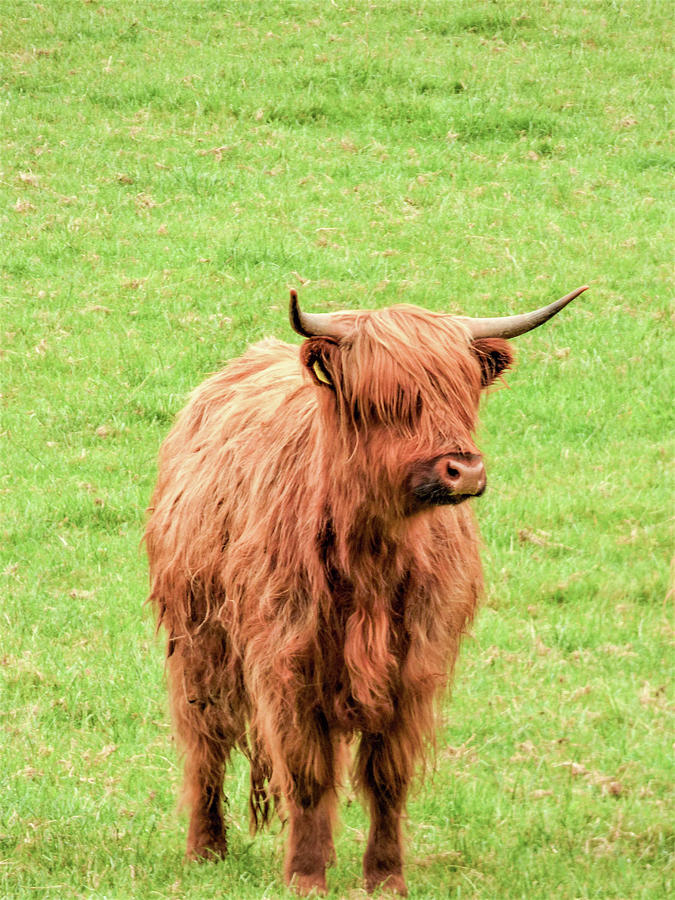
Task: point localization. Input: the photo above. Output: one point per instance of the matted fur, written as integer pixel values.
(305, 602)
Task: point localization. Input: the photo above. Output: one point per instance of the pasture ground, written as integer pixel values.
(168, 171)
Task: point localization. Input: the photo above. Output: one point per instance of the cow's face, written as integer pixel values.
(403, 387)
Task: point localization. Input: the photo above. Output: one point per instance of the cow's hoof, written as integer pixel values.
(209, 849)
(308, 885)
(392, 883)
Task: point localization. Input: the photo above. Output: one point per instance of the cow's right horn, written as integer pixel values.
(313, 324)
(512, 326)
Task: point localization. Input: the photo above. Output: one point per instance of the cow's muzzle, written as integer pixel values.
(449, 479)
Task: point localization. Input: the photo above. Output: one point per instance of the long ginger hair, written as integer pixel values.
(284, 551)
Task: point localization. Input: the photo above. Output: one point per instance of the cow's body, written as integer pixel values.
(313, 577)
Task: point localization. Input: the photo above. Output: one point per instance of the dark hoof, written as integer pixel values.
(306, 885)
(392, 883)
(210, 849)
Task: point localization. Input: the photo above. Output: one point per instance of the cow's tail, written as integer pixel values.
(262, 803)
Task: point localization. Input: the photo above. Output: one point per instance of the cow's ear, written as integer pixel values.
(494, 356)
(321, 358)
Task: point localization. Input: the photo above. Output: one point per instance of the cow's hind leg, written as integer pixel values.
(203, 793)
(207, 732)
(383, 773)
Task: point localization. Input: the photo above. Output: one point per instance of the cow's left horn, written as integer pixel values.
(313, 324)
(512, 326)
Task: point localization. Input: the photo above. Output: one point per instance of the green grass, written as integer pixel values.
(168, 171)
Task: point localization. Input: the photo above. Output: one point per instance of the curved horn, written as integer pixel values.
(512, 326)
(313, 324)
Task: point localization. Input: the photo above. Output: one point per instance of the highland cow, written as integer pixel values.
(315, 565)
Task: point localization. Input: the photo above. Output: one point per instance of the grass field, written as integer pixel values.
(168, 170)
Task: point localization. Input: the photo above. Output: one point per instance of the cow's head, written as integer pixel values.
(403, 387)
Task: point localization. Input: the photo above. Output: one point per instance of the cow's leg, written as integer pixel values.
(311, 813)
(203, 793)
(310, 840)
(383, 773)
(207, 733)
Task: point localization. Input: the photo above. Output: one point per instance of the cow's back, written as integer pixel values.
(225, 465)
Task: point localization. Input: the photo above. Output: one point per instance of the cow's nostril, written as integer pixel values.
(461, 474)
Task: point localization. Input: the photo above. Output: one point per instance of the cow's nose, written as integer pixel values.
(462, 473)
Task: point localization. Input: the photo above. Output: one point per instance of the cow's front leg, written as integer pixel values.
(383, 773)
(313, 760)
(310, 841)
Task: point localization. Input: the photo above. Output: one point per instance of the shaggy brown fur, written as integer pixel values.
(307, 599)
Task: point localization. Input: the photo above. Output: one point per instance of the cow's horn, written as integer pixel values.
(512, 326)
(313, 324)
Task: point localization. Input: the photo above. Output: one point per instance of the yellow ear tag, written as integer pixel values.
(320, 373)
